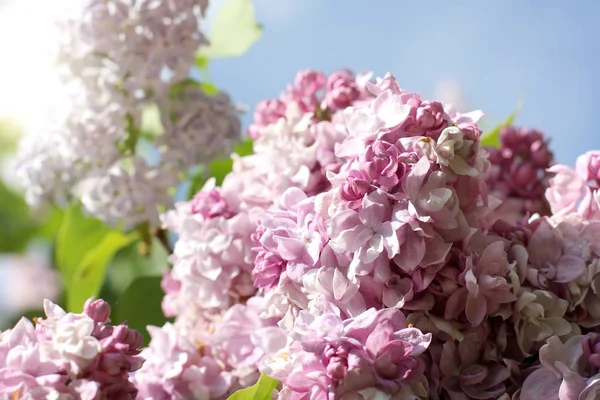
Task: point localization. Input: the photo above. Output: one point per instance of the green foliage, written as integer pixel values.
(84, 247)
(492, 138)
(260, 391)
(17, 226)
(140, 305)
(208, 88)
(129, 142)
(234, 30)
(129, 264)
(219, 168)
(202, 63)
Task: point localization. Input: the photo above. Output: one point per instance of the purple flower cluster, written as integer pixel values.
(69, 356)
(519, 174)
(387, 255)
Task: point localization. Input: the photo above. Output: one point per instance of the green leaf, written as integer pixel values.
(89, 276)
(129, 264)
(234, 30)
(492, 138)
(76, 236)
(202, 63)
(140, 305)
(220, 168)
(18, 225)
(129, 141)
(245, 148)
(208, 88)
(262, 390)
(84, 247)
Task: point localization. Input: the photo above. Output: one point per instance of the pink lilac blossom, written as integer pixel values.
(576, 190)
(519, 173)
(177, 369)
(467, 374)
(212, 260)
(242, 339)
(70, 356)
(388, 255)
(337, 358)
(305, 123)
(568, 370)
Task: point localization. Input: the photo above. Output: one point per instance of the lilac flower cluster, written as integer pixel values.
(210, 289)
(213, 258)
(519, 174)
(69, 356)
(378, 258)
(117, 59)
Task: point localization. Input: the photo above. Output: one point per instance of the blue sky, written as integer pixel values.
(543, 52)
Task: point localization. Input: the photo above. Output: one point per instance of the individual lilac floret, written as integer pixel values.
(210, 202)
(484, 286)
(70, 354)
(468, 372)
(265, 113)
(341, 90)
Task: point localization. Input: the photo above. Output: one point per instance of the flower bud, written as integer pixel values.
(98, 310)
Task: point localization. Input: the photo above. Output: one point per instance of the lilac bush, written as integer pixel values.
(412, 263)
(370, 246)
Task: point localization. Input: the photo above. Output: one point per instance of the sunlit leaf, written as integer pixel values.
(206, 87)
(84, 247)
(209, 88)
(234, 30)
(262, 390)
(88, 278)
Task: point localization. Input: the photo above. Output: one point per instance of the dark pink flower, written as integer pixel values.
(210, 203)
(485, 286)
(355, 186)
(341, 90)
(383, 164)
(267, 112)
(467, 373)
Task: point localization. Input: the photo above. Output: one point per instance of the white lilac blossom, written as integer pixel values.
(115, 58)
